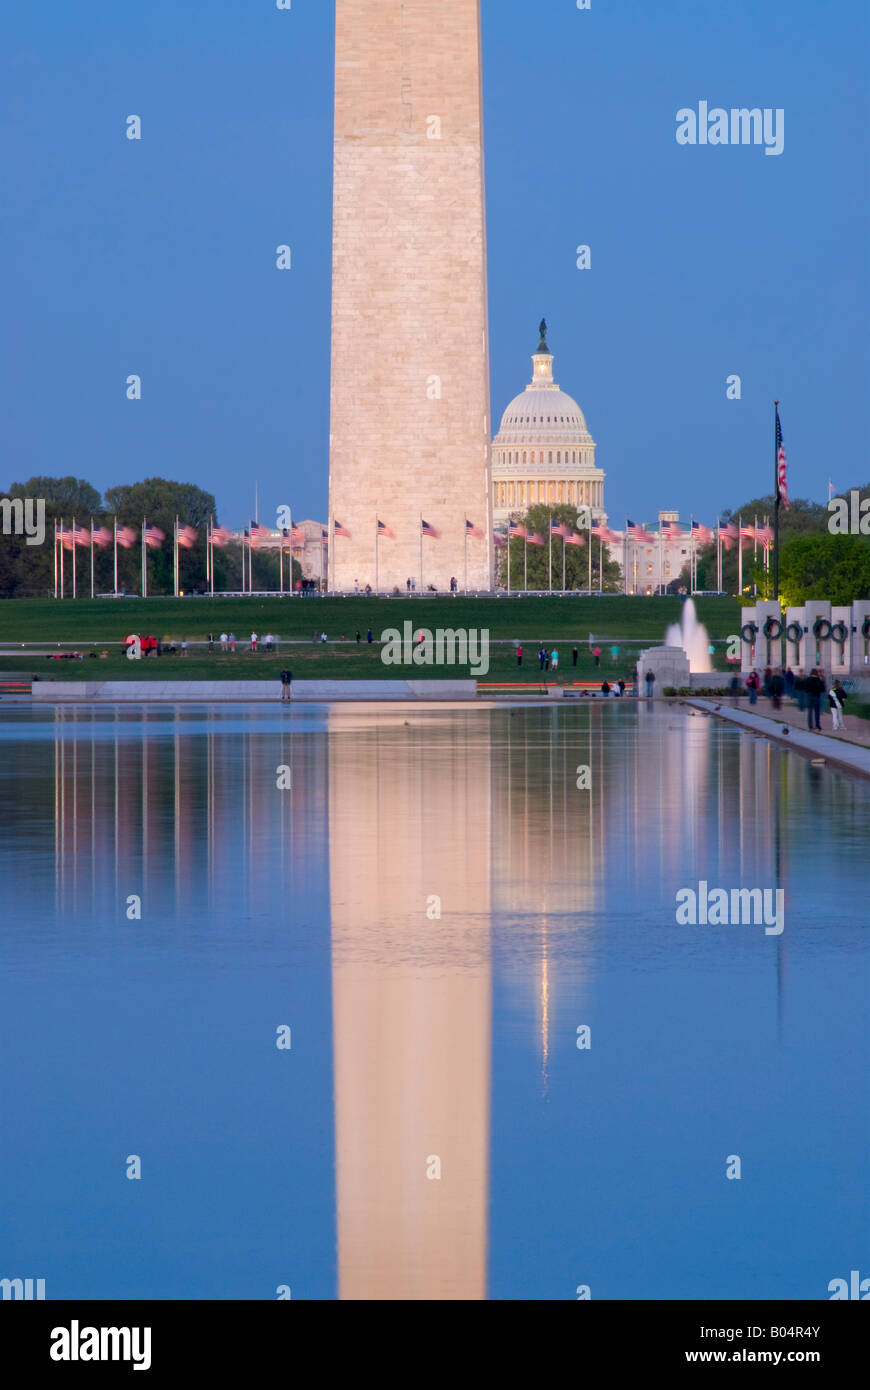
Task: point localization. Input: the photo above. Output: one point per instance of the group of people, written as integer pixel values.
(808, 690)
(548, 659)
(228, 641)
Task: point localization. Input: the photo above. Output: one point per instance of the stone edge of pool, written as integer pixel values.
(849, 756)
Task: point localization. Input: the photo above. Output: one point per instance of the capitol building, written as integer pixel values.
(543, 452)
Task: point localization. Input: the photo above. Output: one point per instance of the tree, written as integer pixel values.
(160, 501)
(535, 559)
(824, 567)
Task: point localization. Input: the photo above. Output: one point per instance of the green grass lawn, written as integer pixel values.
(531, 619)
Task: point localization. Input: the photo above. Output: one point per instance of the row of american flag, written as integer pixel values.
(184, 536)
(726, 532)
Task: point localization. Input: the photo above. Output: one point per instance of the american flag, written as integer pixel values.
(472, 530)
(324, 536)
(558, 528)
(256, 534)
(765, 535)
(220, 536)
(102, 536)
(781, 467)
(575, 539)
(186, 537)
(153, 536)
(126, 536)
(728, 534)
(337, 530)
(535, 539)
(430, 531)
(386, 531)
(297, 538)
(66, 536)
(701, 533)
(82, 535)
(516, 530)
(672, 530)
(747, 534)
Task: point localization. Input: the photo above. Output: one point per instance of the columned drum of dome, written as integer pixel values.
(410, 420)
(543, 452)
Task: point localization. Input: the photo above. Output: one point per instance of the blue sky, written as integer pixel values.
(157, 257)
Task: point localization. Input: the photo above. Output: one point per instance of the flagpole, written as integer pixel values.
(550, 524)
(61, 557)
(466, 555)
(525, 562)
(719, 554)
(55, 557)
(421, 552)
(144, 566)
(115, 553)
(377, 553)
(589, 543)
(740, 556)
(776, 503)
(73, 554)
(92, 557)
(754, 554)
(509, 558)
(563, 564)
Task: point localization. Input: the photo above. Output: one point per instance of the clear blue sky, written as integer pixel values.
(158, 257)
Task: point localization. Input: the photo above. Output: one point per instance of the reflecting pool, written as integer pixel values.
(394, 1002)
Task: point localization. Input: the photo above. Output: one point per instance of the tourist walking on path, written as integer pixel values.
(815, 688)
(650, 679)
(286, 684)
(752, 684)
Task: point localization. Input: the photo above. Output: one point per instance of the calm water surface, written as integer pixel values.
(433, 909)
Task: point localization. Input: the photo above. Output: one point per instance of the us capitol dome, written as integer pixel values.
(543, 452)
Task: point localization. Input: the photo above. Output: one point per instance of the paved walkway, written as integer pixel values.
(850, 749)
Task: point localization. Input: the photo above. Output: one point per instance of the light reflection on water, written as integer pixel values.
(435, 907)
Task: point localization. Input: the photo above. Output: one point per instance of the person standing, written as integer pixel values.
(621, 685)
(650, 679)
(369, 637)
(542, 656)
(286, 684)
(254, 640)
(789, 682)
(836, 708)
(815, 688)
(184, 646)
(597, 655)
(752, 684)
(777, 686)
(573, 656)
(554, 659)
(232, 641)
(210, 643)
(519, 656)
(223, 641)
(358, 637)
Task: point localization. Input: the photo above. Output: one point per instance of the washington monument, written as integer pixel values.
(410, 416)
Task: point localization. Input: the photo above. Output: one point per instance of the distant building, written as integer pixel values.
(543, 452)
(649, 567)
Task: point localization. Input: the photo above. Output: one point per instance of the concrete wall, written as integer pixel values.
(149, 692)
